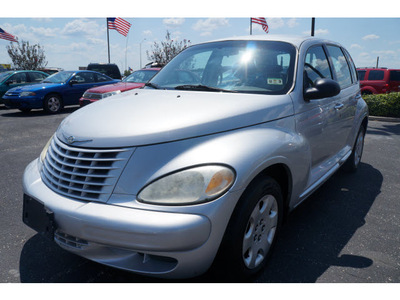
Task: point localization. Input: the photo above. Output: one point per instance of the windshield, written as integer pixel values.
(264, 67)
(141, 76)
(4, 75)
(59, 77)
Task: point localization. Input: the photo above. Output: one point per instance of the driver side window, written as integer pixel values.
(316, 66)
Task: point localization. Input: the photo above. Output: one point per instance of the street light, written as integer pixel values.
(140, 53)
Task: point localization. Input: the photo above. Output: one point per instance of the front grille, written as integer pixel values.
(93, 96)
(84, 174)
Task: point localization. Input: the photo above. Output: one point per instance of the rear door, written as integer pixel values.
(346, 102)
(376, 80)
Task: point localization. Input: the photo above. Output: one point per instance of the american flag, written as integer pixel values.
(6, 36)
(262, 22)
(119, 25)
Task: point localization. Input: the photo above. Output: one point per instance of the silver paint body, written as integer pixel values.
(165, 131)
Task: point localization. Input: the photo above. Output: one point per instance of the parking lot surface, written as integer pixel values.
(347, 232)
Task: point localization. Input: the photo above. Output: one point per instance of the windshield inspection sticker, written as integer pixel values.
(275, 81)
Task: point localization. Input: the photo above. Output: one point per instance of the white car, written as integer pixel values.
(204, 163)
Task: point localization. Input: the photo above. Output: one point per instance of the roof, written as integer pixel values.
(292, 39)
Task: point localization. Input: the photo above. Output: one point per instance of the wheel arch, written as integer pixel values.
(54, 93)
(281, 173)
(44, 104)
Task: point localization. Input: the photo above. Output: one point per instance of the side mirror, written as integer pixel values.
(322, 88)
(72, 82)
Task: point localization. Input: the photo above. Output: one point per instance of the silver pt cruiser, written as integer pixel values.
(204, 163)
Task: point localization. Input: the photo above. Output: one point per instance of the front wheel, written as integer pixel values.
(52, 104)
(253, 229)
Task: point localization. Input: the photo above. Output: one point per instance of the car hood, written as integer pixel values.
(35, 87)
(144, 117)
(120, 86)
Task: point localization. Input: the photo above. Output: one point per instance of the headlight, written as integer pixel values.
(25, 94)
(44, 151)
(105, 95)
(190, 186)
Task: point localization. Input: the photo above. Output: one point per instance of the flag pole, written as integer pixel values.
(312, 26)
(108, 41)
(251, 27)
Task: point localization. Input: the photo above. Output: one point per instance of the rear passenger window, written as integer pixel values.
(102, 78)
(352, 66)
(376, 75)
(341, 66)
(395, 75)
(36, 77)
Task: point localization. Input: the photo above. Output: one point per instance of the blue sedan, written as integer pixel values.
(56, 91)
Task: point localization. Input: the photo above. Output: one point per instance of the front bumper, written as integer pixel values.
(22, 102)
(164, 244)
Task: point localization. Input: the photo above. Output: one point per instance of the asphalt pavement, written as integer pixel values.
(346, 232)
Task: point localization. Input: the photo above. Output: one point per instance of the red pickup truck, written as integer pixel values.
(379, 80)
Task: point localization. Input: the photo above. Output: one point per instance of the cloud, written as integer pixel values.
(82, 27)
(317, 32)
(385, 52)
(275, 23)
(207, 26)
(147, 33)
(370, 37)
(355, 46)
(292, 23)
(173, 22)
(43, 32)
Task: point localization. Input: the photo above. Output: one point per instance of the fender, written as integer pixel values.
(248, 150)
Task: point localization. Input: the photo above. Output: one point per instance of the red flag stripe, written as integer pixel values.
(6, 36)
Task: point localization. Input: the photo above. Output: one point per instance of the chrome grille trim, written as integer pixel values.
(82, 173)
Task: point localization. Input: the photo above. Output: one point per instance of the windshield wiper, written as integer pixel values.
(200, 87)
(152, 85)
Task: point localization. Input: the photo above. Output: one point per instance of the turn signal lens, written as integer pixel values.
(219, 181)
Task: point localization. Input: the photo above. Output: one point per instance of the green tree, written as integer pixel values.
(163, 52)
(27, 57)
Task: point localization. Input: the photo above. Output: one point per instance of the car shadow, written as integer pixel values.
(310, 242)
(16, 113)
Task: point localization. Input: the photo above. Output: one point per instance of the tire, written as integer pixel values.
(352, 163)
(252, 230)
(52, 104)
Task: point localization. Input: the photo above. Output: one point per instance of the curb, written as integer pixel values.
(384, 119)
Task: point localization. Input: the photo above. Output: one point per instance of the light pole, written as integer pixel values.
(140, 54)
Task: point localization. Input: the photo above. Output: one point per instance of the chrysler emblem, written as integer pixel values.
(71, 139)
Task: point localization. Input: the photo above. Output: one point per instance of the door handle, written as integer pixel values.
(339, 106)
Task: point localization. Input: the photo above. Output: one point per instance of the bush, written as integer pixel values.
(383, 105)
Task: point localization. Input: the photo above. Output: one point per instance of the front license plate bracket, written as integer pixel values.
(38, 217)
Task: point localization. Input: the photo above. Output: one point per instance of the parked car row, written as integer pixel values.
(26, 90)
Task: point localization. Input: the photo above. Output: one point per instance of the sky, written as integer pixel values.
(76, 37)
